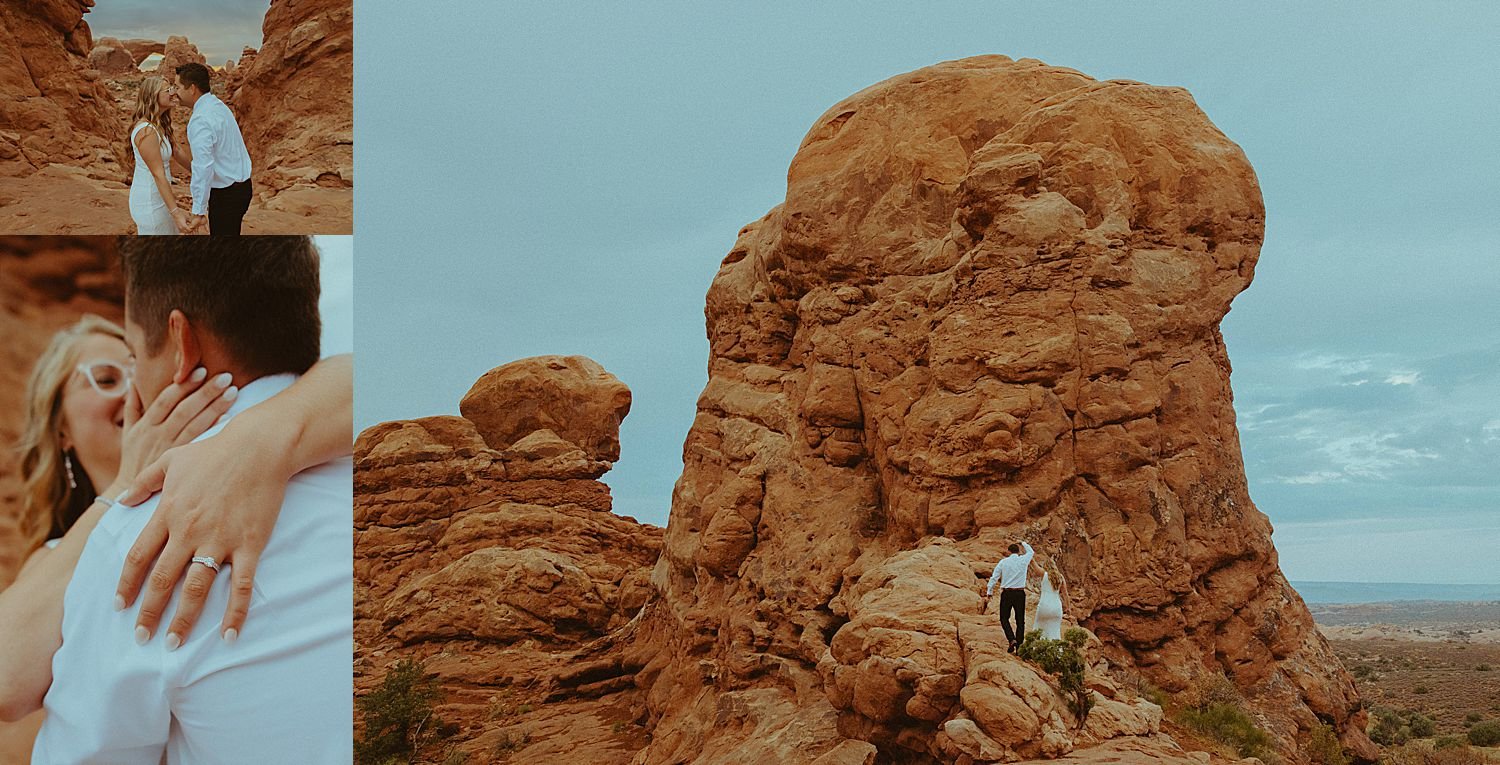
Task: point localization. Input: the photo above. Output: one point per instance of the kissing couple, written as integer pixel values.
(192, 463)
(214, 158)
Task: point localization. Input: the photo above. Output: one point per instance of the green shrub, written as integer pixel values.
(1323, 747)
(1230, 725)
(1448, 742)
(1473, 717)
(1364, 672)
(1486, 733)
(398, 716)
(1387, 728)
(1421, 725)
(1064, 659)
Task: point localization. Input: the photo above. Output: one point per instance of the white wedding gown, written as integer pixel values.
(147, 208)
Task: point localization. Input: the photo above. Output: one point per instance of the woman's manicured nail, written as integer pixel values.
(223, 379)
(120, 500)
(231, 394)
(119, 602)
(198, 375)
(173, 641)
(231, 635)
(142, 635)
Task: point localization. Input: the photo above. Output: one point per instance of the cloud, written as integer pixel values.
(1403, 378)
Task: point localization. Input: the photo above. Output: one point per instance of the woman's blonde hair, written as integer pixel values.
(147, 108)
(49, 504)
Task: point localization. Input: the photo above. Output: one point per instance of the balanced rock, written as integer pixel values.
(571, 397)
(294, 98)
(110, 56)
(490, 554)
(53, 109)
(987, 310)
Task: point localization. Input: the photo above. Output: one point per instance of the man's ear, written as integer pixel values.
(186, 349)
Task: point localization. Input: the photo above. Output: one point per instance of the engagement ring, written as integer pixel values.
(207, 560)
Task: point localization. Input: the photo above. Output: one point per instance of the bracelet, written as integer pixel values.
(106, 501)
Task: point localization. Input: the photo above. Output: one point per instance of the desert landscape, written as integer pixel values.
(65, 100)
(988, 308)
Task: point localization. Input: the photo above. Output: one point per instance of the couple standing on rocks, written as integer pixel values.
(1011, 572)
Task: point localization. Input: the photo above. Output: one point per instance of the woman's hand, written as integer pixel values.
(221, 498)
(181, 412)
(193, 518)
(179, 216)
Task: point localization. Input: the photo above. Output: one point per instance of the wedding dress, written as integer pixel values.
(147, 208)
(1049, 610)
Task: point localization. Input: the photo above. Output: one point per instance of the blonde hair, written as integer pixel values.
(48, 504)
(148, 110)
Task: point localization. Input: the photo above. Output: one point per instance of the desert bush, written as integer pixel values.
(1232, 726)
(1364, 672)
(1390, 727)
(1416, 753)
(398, 717)
(1211, 689)
(1064, 659)
(1486, 733)
(1421, 689)
(1323, 747)
(1482, 668)
(1473, 717)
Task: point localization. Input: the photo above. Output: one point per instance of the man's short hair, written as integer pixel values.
(194, 74)
(1015, 548)
(257, 294)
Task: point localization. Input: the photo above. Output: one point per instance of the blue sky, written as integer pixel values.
(220, 28)
(566, 178)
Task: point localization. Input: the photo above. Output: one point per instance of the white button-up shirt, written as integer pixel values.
(1010, 572)
(282, 693)
(219, 155)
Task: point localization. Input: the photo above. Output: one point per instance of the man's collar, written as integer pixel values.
(259, 390)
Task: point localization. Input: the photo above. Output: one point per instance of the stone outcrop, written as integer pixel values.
(486, 548)
(53, 108)
(110, 56)
(178, 51)
(294, 98)
(988, 309)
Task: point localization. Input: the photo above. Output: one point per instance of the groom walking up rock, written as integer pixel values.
(1010, 572)
(221, 164)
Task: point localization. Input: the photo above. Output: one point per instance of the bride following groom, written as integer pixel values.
(215, 158)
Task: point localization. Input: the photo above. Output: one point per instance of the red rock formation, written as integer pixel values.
(53, 109)
(294, 99)
(490, 553)
(109, 56)
(987, 309)
(178, 51)
(140, 48)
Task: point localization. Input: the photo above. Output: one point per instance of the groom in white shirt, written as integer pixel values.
(282, 690)
(221, 165)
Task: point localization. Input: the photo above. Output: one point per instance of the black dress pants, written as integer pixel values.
(1013, 599)
(226, 208)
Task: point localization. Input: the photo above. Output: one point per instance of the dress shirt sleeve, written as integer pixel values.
(108, 700)
(1029, 552)
(995, 577)
(201, 139)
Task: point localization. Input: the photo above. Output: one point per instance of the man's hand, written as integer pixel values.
(197, 224)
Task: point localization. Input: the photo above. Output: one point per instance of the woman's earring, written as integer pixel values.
(68, 464)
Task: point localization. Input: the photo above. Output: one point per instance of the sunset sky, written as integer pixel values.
(618, 152)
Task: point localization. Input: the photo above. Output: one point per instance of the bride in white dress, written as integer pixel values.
(151, 203)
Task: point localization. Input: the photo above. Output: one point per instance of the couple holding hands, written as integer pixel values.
(214, 158)
(192, 463)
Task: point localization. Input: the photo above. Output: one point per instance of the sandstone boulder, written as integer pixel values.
(110, 56)
(294, 98)
(178, 51)
(52, 108)
(571, 397)
(988, 309)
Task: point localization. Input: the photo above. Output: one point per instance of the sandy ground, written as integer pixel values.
(65, 200)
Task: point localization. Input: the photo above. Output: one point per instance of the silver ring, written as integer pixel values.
(207, 560)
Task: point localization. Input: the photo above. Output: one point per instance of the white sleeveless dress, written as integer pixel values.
(147, 208)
